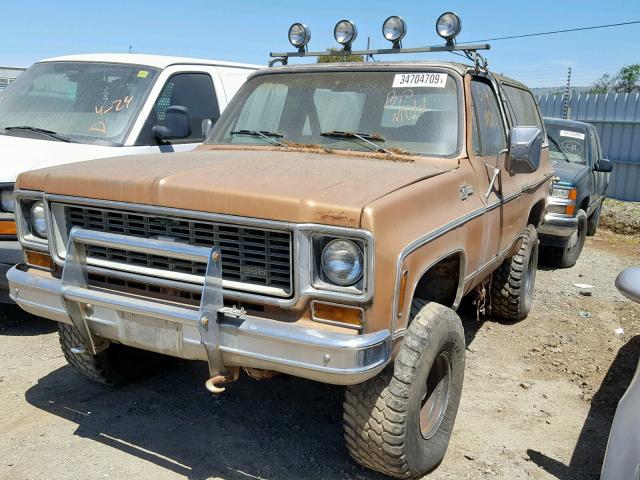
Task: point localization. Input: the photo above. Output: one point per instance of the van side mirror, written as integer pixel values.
(628, 283)
(604, 166)
(525, 149)
(177, 124)
(207, 125)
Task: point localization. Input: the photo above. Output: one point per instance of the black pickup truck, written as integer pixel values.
(582, 176)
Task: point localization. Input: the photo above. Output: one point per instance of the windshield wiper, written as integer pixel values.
(48, 133)
(367, 138)
(270, 136)
(559, 148)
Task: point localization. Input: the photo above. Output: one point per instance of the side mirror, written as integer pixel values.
(604, 166)
(525, 149)
(628, 283)
(177, 124)
(207, 125)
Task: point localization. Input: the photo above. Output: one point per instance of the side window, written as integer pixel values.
(593, 146)
(194, 91)
(524, 112)
(488, 130)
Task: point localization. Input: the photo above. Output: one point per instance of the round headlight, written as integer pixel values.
(448, 26)
(38, 220)
(342, 262)
(6, 201)
(299, 35)
(394, 29)
(345, 32)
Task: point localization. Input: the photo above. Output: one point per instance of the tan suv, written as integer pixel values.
(328, 229)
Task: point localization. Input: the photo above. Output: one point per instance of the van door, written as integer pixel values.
(194, 90)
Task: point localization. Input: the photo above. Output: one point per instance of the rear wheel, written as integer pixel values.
(116, 365)
(400, 422)
(513, 282)
(594, 221)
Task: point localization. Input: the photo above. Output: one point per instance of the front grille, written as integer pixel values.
(251, 257)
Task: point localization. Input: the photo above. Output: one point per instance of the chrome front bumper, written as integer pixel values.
(10, 255)
(558, 230)
(228, 338)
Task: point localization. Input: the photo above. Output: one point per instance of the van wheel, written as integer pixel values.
(400, 422)
(594, 221)
(513, 282)
(116, 365)
(568, 256)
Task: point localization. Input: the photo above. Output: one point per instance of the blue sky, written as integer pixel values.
(247, 31)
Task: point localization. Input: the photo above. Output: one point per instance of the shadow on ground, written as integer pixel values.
(592, 442)
(16, 322)
(278, 429)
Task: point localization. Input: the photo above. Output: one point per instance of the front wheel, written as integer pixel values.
(400, 422)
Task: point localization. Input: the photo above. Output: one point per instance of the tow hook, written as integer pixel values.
(213, 383)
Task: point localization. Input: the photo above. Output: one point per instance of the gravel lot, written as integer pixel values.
(538, 400)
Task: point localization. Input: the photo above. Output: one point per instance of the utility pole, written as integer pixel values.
(566, 113)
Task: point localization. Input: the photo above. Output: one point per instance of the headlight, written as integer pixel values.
(39, 220)
(6, 201)
(299, 35)
(345, 32)
(448, 26)
(394, 29)
(564, 193)
(342, 262)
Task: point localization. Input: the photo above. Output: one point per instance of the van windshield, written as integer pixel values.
(85, 102)
(407, 112)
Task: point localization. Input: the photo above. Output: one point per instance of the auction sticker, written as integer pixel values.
(433, 80)
(569, 133)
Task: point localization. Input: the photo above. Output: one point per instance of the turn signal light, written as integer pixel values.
(403, 292)
(573, 194)
(8, 228)
(337, 314)
(38, 259)
(570, 210)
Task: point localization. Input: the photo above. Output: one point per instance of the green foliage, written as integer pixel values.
(627, 80)
(340, 58)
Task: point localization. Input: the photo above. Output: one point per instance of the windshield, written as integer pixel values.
(567, 144)
(410, 112)
(85, 102)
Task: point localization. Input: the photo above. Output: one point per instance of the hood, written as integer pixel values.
(19, 154)
(294, 186)
(569, 172)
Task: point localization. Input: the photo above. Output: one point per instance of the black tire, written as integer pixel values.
(568, 256)
(116, 365)
(594, 221)
(513, 282)
(382, 417)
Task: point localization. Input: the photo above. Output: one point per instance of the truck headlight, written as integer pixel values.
(38, 220)
(564, 193)
(342, 262)
(6, 200)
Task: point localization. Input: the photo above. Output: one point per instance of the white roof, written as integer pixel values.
(158, 61)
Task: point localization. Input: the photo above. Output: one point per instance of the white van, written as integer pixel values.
(82, 107)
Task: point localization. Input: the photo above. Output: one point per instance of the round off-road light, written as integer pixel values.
(38, 220)
(345, 32)
(299, 35)
(448, 26)
(394, 29)
(342, 262)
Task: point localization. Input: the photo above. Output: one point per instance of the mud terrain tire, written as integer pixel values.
(400, 422)
(116, 365)
(513, 282)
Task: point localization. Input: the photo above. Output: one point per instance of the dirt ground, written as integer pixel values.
(538, 400)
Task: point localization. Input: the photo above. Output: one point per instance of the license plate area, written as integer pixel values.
(149, 333)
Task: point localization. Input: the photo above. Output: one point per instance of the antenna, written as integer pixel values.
(566, 109)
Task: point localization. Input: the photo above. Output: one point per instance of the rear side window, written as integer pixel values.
(522, 106)
(488, 130)
(192, 90)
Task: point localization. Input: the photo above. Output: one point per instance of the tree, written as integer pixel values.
(627, 80)
(340, 58)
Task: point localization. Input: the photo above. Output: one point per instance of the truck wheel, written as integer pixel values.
(514, 280)
(594, 220)
(399, 423)
(568, 256)
(116, 365)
